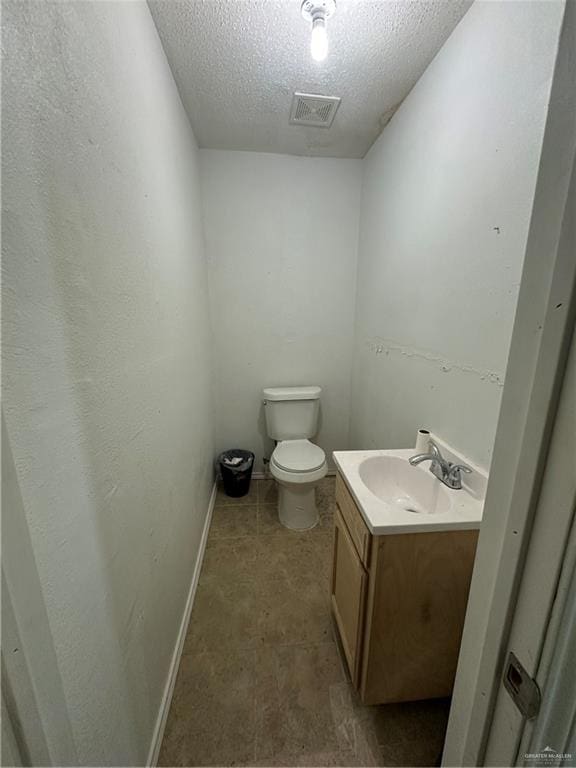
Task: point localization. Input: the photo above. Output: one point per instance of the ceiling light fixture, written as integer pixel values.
(317, 12)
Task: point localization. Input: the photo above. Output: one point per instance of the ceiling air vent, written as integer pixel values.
(311, 109)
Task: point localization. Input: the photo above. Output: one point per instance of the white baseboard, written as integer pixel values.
(175, 663)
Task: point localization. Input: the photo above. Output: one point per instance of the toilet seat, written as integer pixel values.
(298, 456)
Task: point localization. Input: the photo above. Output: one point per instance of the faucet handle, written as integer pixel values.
(461, 468)
(453, 476)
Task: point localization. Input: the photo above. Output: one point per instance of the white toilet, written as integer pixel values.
(297, 464)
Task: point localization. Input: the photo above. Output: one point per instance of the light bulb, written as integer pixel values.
(319, 40)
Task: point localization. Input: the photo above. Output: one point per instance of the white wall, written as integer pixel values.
(281, 237)
(447, 195)
(106, 354)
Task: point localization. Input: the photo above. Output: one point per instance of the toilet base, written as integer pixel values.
(297, 506)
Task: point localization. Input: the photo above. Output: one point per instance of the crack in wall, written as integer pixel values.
(379, 346)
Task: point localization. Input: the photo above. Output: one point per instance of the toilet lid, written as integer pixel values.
(298, 456)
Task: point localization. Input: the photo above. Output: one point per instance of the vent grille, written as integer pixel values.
(311, 109)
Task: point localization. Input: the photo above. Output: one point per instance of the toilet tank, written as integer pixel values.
(291, 412)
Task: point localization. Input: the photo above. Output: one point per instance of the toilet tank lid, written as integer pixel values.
(292, 393)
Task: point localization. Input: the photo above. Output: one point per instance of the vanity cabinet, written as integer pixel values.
(399, 603)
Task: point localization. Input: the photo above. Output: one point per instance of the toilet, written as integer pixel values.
(297, 464)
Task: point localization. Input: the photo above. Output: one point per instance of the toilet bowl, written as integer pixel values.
(298, 466)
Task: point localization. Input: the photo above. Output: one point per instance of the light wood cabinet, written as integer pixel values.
(399, 603)
(349, 581)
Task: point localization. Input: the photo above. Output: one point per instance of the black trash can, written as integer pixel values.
(236, 470)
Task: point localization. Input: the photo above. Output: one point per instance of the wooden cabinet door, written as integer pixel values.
(349, 581)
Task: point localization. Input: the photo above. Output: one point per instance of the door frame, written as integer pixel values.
(540, 343)
(539, 597)
(32, 687)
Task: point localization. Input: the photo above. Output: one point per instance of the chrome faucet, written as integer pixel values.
(445, 471)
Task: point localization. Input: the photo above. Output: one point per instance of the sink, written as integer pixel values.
(395, 497)
(412, 489)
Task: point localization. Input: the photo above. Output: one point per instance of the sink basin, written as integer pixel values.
(395, 497)
(412, 489)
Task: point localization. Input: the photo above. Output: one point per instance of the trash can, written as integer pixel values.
(236, 470)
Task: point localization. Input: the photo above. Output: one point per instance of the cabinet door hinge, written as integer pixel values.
(522, 688)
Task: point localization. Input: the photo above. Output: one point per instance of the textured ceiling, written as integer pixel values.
(238, 62)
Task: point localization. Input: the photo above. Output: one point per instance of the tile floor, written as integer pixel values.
(261, 681)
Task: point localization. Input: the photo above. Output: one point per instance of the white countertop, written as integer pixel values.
(445, 509)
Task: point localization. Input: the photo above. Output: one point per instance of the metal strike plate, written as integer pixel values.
(522, 688)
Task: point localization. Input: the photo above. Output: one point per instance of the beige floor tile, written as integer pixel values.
(267, 491)
(244, 614)
(412, 733)
(269, 522)
(310, 760)
(325, 493)
(233, 520)
(269, 557)
(294, 611)
(225, 615)
(293, 716)
(354, 725)
(327, 519)
(411, 754)
(212, 718)
(231, 559)
(305, 554)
